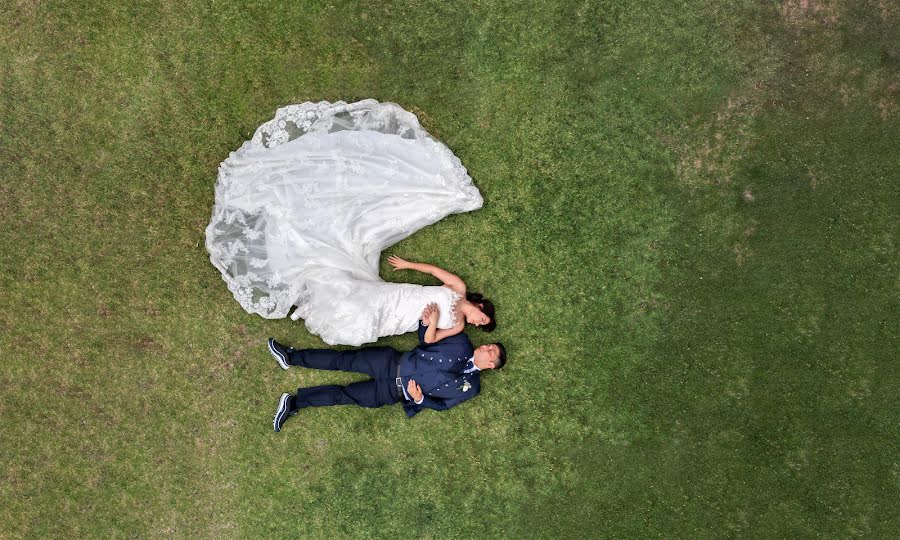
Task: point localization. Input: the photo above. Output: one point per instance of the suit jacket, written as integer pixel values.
(438, 369)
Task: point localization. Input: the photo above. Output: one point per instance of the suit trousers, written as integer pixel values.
(380, 363)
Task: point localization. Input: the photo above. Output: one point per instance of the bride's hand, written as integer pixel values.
(398, 263)
(434, 314)
(430, 314)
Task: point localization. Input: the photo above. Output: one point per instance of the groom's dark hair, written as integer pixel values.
(501, 358)
(487, 307)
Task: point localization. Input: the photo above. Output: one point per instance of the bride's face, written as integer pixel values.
(477, 317)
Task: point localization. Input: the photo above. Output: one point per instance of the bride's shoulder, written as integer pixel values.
(445, 293)
(459, 289)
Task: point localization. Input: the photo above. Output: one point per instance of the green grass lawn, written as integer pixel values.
(689, 230)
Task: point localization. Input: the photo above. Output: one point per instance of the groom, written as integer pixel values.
(435, 376)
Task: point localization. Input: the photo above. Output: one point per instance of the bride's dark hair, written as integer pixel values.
(486, 306)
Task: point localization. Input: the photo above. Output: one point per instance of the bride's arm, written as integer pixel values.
(450, 280)
(434, 334)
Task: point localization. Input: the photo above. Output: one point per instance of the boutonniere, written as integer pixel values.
(465, 387)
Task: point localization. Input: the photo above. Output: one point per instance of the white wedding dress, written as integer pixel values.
(304, 209)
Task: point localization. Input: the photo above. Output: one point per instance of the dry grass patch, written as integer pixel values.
(712, 160)
(810, 13)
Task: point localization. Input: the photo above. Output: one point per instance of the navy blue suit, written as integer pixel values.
(436, 368)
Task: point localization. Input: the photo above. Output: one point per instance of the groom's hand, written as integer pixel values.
(414, 391)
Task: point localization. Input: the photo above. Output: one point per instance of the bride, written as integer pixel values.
(304, 209)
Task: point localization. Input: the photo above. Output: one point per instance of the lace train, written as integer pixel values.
(304, 209)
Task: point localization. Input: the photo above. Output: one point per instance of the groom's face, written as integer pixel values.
(486, 355)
